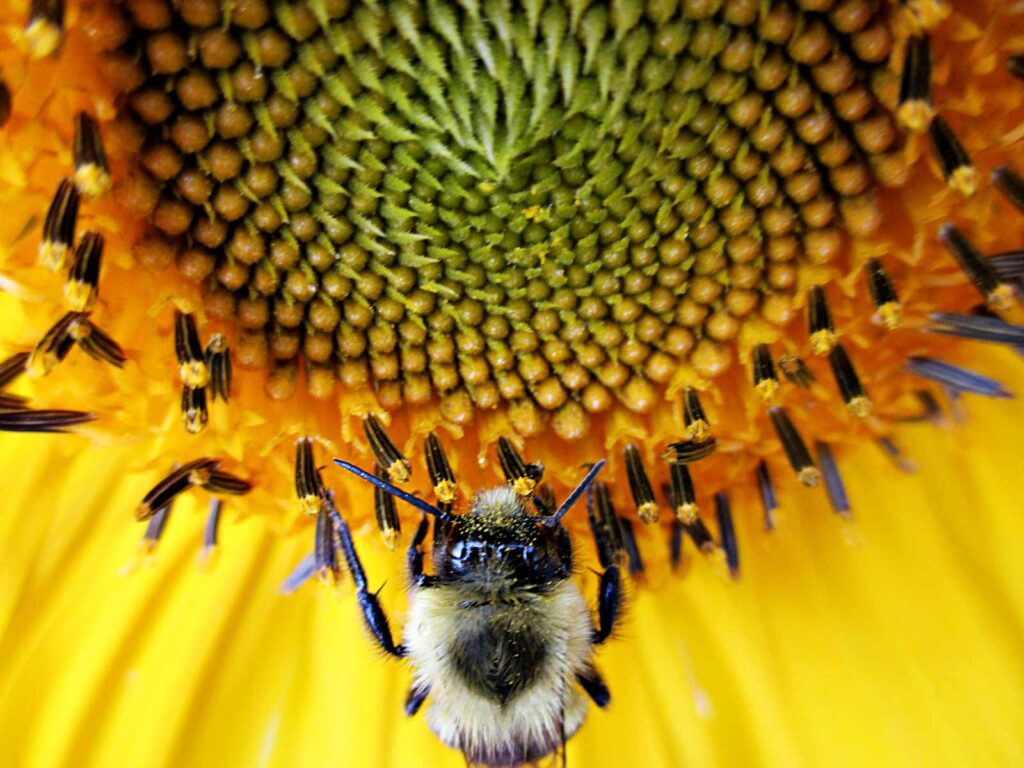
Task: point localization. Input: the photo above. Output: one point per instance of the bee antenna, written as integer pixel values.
(573, 497)
(384, 485)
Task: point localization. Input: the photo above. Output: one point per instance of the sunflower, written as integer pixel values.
(759, 256)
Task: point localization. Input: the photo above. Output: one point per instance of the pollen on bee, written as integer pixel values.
(640, 486)
(82, 285)
(92, 172)
(59, 226)
(385, 452)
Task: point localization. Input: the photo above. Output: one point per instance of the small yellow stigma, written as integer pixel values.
(823, 341)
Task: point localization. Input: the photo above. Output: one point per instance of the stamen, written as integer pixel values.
(727, 533)
(217, 481)
(325, 561)
(544, 500)
(675, 543)
(309, 486)
(96, 343)
(833, 482)
(59, 226)
(384, 508)
(976, 328)
(688, 451)
(888, 309)
(684, 497)
(210, 531)
(1015, 64)
(915, 105)
(958, 379)
(849, 384)
(193, 409)
(1008, 265)
(640, 486)
(796, 371)
(54, 346)
(44, 31)
(794, 446)
(999, 295)
(1010, 184)
(604, 524)
(893, 452)
(698, 428)
(769, 499)
(441, 475)
(48, 420)
(302, 573)
(218, 362)
(819, 322)
(191, 360)
(521, 476)
(155, 528)
(12, 368)
(387, 455)
(957, 167)
(92, 172)
(11, 402)
(5, 103)
(766, 381)
(82, 286)
(636, 563)
(925, 14)
(177, 482)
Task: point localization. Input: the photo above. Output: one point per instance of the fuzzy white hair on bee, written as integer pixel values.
(499, 636)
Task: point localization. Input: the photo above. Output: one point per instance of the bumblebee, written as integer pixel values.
(499, 636)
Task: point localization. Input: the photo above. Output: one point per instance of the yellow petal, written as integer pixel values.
(892, 639)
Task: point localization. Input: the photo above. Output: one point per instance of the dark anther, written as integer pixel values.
(821, 331)
(849, 383)
(191, 359)
(82, 286)
(796, 371)
(521, 476)
(766, 381)
(441, 476)
(59, 226)
(92, 173)
(915, 106)
(20, 419)
(688, 451)
(698, 428)
(604, 525)
(833, 482)
(193, 408)
(179, 480)
(794, 446)
(727, 533)
(998, 294)
(309, 486)
(1010, 184)
(957, 167)
(769, 499)
(640, 486)
(384, 509)
(218, 361)
(384, 451)
(883, 295)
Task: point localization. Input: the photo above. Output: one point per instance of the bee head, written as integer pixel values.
(498, 540)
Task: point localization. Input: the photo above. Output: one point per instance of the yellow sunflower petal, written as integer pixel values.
(891, 639)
